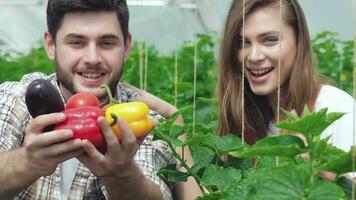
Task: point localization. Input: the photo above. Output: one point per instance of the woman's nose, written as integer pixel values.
(255, 54)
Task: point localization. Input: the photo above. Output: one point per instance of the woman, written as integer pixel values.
(265, 42)
(270, 37)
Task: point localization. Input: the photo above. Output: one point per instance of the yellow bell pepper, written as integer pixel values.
(134, 113)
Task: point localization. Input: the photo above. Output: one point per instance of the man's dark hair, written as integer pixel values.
(56, 9)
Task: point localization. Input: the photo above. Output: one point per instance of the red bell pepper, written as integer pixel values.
(83, 122)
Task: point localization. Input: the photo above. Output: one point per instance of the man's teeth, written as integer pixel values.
(91, 75)
(261, 72)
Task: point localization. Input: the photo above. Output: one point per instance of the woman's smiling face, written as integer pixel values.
(263, 48)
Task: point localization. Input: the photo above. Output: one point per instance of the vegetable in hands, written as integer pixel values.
(134, 113)
(41, 98)
(83, 121)
(82, 112)
(82, 99)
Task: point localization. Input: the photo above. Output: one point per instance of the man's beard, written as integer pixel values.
(66, 80)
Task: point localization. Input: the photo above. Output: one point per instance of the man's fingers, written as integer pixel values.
(92, 152)
(110, 137)
(69, 155)
(129, 139)
(40, 122)
(62, 148)
(125, 129)
(49, 138)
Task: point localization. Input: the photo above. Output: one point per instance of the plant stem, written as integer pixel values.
(295, 161)
(311, 169)
(189, 170)
(112, 100)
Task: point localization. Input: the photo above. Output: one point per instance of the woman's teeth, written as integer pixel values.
(261, 72)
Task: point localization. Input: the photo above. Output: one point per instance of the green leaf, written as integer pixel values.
(306, 110)
(290, 115)
(202, 129)
(342, 164)
(222, 145)
(197, 139)
(284, 183)
(202, 157)
(292, 182)
(240, 163)
(234, 192)
(326, 191)
(174, 133)
(180, 112)
(276, 145)
(266, 162)
(168, 123)
(220, 177)
(346, 184)
(169, 132)
(311, 123)
(173, 175)
(324, 152)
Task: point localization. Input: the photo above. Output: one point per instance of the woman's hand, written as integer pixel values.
(159, 105)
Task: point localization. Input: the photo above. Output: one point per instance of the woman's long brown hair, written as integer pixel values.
(303, 85)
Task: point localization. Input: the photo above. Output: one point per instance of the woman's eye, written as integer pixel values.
(271, 40)
(241, 44)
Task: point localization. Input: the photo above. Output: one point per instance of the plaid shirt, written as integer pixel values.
(14, 117)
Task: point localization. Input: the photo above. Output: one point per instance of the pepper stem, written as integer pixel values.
(112, 100)
(115, 119)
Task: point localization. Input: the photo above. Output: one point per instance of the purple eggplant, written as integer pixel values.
(43, 98)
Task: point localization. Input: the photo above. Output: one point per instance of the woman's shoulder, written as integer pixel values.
(333, 98)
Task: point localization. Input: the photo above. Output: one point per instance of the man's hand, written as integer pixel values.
(44, 151)
(118, 159)
(40, 155)
(119, 173)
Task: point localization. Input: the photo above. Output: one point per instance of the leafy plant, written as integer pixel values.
(273, 168)
(15, 65)
(334, 59)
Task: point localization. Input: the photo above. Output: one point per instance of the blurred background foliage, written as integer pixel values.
(335, 59)
(150, 70)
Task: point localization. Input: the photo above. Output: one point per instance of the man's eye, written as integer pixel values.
(107, 43)
(76, 43)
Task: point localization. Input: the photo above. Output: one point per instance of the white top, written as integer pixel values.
(67, 170)
(343, 129)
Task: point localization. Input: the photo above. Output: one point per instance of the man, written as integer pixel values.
(89, 41)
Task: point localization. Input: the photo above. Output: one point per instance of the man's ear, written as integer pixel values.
(49, 45)
(127, 46)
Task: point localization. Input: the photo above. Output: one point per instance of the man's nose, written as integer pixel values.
(92, 55)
